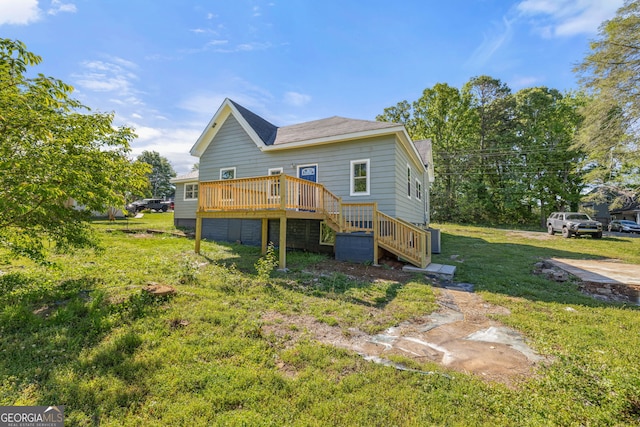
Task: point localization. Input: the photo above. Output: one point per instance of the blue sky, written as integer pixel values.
(165, 66)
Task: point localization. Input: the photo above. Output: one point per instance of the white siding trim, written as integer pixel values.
(409, 175)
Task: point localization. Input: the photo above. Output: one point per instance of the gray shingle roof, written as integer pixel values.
(325, 128)
(193, 175)
(424, 148)
(316, 129)
(265, 130)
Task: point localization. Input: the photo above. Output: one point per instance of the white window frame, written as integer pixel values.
(409, 174)
(418, 190)
(274, 190)
(352, 178)
(227, 194)
(195, 189)
(222, 170)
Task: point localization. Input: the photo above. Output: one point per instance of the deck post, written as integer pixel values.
(425, 249)
(198, 232)
(283, 242)
(283, 191)
(428, 234)
(265, 234)
(376, 232)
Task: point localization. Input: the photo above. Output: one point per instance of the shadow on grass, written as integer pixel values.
(56, 344)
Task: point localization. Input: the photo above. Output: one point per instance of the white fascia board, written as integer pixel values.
(184, 180)
(411, 149)
(211, 130)
(226, 109)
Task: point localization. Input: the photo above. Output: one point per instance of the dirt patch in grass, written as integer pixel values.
(537, 235)
(462, 335)
(388, 270)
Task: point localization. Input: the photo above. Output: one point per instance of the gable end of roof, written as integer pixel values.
(265, 130)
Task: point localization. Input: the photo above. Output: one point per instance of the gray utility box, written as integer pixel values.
(435, 240)
(354, 247)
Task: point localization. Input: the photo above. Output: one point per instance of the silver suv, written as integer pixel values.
(573, 224)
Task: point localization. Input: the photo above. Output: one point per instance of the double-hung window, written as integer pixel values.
(360, 177)
(408, 181)
(418, 190)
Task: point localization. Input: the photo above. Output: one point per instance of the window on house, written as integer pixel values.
(191, 191)
(418, 190)
(274, 189)
(227, 191)
(408, 181)
(360, 177)
(227, 173)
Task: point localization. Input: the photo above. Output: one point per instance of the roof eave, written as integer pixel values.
(333, 139)
(399, 131)
(178, 180)
(411, 148)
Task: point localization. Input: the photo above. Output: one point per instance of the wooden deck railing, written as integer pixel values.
(266, 192)
(404, 239)
(282, 192)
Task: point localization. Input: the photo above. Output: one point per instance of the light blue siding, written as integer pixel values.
(184, 209)
(388, 159)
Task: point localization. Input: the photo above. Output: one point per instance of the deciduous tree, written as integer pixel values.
(546, 123)
(493, 191)
(54, 154)
(610, 74)
(160, 175)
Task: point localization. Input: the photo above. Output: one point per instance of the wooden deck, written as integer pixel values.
(283, 197)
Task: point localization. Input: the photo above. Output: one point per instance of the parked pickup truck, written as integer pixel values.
(157, 205)
(573, 224)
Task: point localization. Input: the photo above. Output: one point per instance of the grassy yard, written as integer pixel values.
(83, 335)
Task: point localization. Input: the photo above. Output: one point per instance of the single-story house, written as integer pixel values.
(332, 185)
(630, 211)
(599, 203)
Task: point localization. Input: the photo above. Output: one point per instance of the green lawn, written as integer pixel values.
(83, 335)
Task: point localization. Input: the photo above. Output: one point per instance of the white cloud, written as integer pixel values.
(556, 18)
(500, 35)
(128, 101)
(216, 42)
(21, 12)
(115, 75)
(524, 81)
(296, 99)
(57, 6)
(247, 94)
(174, 144)
(246, 47)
